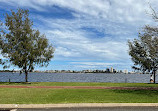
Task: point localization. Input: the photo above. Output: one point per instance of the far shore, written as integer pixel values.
(80, 72)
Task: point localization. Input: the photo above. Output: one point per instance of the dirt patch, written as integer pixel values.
(81, 87)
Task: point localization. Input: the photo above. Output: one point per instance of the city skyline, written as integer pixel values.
(86, 34)
(107, 70)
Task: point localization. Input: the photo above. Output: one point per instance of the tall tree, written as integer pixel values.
(144, 50)
(22, 45)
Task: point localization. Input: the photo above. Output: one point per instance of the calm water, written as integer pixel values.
(76, 77)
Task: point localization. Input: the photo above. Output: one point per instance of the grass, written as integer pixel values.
(83, 84)
(49, 96)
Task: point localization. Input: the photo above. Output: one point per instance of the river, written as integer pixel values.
(76, 77)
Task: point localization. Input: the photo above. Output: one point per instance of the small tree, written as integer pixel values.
(23, 46)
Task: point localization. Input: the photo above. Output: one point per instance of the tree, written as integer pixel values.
(144, 50)
(107, 70)
(22, 45)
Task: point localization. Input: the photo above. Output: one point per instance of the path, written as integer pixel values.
(81, 87)
(82, 107)
(96, 109)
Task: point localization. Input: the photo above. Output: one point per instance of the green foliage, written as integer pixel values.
(144, 50)
(22, 45)
(0, 35)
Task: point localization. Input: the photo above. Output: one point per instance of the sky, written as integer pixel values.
(86, 34)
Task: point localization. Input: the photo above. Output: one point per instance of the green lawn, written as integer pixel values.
(83, 84)
(48, 96)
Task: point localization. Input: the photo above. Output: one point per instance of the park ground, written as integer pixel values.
(72, 95)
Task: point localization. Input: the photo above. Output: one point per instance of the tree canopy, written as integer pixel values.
(22, 45)
(144, 50)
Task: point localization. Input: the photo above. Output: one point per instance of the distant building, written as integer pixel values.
(126, 71)
(112, 70)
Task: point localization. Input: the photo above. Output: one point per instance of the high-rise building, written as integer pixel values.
(111, 70)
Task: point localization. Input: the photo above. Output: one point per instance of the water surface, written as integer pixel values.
(76, 77)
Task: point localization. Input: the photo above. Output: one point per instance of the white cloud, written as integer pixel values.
(96, 63)
(64, 52)
(72, 41)
(124, 11)
(100, 65)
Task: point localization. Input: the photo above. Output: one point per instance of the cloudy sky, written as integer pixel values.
(87, 34)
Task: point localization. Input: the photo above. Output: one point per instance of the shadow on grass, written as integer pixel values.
(14, 83)
(150, 93)
(140, 85)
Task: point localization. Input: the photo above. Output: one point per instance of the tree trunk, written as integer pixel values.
(26, 73)
(154, 76)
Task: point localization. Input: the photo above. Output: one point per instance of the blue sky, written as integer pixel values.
(86, 34)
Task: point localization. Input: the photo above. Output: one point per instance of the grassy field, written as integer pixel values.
(83, 84)
(48, 96)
